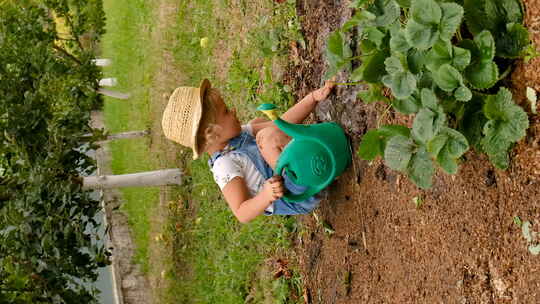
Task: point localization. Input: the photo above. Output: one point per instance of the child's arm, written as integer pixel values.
(245, 207)
(297, 113)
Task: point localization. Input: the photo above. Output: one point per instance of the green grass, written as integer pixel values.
(213, 258)
(224, 256)
(127, 45)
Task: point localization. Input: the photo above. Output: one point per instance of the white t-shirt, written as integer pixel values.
(231, 165)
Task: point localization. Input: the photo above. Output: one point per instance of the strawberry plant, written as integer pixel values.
(441, 61)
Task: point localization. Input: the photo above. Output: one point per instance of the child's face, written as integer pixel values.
(226, 119)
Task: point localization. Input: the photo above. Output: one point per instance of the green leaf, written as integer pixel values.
(388, 131)
(373, 94)
(512, 10)
(501, 107)
(359, 3)
(470, 45)
(338, 53)
(421, 36)
(360, 18)
(480, 15)
(447, 147)
(370, 70)
(463, 94)
(451, 19)
(404, 3)
(444, 53)
(387, 11)
(513, 42)
(421, 169)
(473, 122)
(517, 221)
(427, 124)
(374, 141)
(426, 12)
(425, 80)
(409, 105)
(374, 35)
(429, 99)
(371, 146)
(497, 106)
(417, 201)
(416, 61)
(486, 45)
(398, 42)
(440, 54)
(482, 74)
(402, 84)
(398, 152)
(448, 78)
(507, 124)
(393, 65)
(461, 59)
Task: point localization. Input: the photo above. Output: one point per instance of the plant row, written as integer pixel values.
(444, 63)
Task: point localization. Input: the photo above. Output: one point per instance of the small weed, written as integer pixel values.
(347, 278)
(327, 228)
(530, 53)
(288, 290)
(518, 221)
(418, 201)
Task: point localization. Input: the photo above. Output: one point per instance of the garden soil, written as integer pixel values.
(460, 246)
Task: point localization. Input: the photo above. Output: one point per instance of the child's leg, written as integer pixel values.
(271, 141)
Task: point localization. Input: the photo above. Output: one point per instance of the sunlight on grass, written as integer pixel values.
(126, 44)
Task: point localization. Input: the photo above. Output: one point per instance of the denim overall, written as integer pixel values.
(245, 144)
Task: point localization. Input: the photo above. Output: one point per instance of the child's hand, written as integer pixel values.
(273, 187)
(323, 92)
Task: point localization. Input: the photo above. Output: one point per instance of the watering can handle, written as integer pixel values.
(290, 197)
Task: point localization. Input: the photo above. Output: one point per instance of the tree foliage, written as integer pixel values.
(47, 90)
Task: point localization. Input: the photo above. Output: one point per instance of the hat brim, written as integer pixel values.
(203, 88)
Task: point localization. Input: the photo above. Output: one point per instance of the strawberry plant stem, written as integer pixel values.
(383, 115)
(349, 83)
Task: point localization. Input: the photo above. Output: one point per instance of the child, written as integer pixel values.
(242, 157)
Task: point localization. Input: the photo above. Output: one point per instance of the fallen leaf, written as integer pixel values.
(534, 249)
(531, 96)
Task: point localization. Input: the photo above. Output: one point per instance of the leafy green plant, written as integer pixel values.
(47, 224)
(443, 71)
(503, 17)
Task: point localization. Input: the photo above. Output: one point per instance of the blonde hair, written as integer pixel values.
(208, 129)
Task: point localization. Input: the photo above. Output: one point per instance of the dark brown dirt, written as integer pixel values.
(460, 246)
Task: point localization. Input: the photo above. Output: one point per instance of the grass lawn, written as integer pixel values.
(126, 44)
(208, 257)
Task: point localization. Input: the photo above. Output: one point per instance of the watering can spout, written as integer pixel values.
(293, 130)
(314, 157)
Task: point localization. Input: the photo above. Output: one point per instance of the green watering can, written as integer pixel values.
(315, 156)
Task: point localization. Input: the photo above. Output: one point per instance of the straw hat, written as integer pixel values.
(183, 114)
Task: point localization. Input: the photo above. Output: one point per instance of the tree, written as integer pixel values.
(47, 90)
